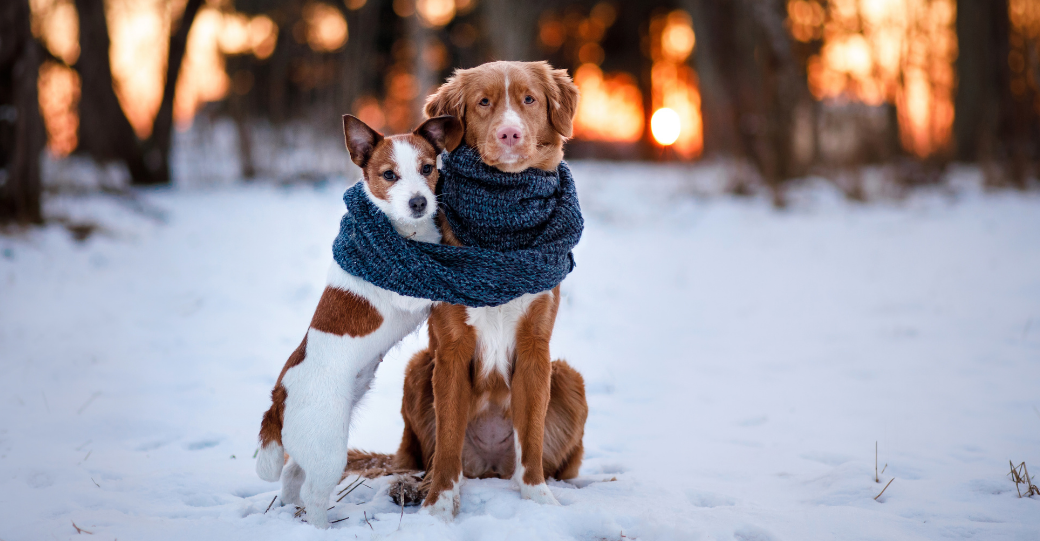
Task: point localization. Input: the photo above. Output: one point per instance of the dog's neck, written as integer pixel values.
(423, 231)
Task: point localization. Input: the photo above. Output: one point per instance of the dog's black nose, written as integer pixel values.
(418, 205)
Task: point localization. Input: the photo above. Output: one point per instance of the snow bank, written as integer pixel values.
(740, 362)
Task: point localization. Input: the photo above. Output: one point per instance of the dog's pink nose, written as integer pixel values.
(509, 136)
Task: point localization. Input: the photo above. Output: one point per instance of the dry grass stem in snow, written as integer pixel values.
(884, 489)
(1020, 475)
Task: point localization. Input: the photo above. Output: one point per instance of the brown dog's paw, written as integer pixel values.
(407, 488)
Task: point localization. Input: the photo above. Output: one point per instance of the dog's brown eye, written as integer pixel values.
(485, 102)
(529, 99)
(389, 175)
(427, 169)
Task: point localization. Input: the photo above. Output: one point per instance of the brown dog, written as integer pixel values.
(486, 399)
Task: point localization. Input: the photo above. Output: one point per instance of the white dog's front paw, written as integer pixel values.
(538, 493)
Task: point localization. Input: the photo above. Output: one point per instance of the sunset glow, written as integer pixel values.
(675, 95)
(59, 89)
(610, 108)
(895, 51)
(665, 126)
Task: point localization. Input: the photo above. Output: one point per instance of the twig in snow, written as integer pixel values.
(256, 452)
(95, 482)
(80, 530)
(350, 488)
(87, 403)
(86, 457)
(338, 520)
(884, 489)
(400, 520)
(1020, 475)
(270, 504)
(86, 443)
(367, 522)
(299, 512)
(885, 467)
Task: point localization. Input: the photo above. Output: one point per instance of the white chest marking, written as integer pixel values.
(496, 333)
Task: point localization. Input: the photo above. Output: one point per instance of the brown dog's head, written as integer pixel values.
(516, 114)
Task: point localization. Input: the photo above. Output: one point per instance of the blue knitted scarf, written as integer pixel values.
(518, 230)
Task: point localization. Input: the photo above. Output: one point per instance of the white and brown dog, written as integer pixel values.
(355, 322)
(486, 399)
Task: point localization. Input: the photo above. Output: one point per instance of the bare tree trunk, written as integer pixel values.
(157, 148)
(357, 60)
(511, 28)
(751, 84)
(991, 125)
(104, 131)
(22, 135)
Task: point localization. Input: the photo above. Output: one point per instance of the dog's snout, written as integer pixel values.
(418, 205)
(509, 135)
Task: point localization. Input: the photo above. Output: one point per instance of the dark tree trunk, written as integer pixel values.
(22, 134)
(751, 84)
(991, 125)
(511, 28)
(104, 131)
(157, 148)
(357, 60)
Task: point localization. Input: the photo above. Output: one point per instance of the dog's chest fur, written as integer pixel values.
(496, 328)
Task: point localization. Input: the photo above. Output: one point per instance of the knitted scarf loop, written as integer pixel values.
(518, 230)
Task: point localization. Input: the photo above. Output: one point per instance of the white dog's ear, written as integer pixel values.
(361, 139)
(450, 99)
(443, 132)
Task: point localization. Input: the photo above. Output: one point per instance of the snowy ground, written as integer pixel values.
(741, 363)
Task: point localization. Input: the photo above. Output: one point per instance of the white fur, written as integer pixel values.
(447, 504)
(337, 371)
(496, 333)
(510, 119)
(539, 493)
(409, 184)
(269, 462)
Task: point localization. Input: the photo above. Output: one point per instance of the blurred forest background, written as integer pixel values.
(146, 92)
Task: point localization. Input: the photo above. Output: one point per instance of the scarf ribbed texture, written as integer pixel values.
(518, 230)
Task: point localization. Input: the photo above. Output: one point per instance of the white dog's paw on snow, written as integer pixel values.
(538, 494)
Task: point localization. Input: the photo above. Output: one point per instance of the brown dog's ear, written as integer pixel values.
(443, 132)
(450, 99)
(361, 140)
(562, 95)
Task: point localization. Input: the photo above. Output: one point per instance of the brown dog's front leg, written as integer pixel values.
(531, 382)
(452, 389)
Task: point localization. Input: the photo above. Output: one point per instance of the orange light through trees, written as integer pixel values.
(675, 98)
(610, 108)
(665, 126)
(895, 51)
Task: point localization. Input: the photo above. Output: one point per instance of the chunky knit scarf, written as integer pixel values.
(518, 230)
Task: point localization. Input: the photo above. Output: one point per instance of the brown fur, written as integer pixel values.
(344, 313)
(271, 425)
(445, 393)
(547, 122)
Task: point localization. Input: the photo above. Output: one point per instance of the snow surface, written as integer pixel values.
(740, 364)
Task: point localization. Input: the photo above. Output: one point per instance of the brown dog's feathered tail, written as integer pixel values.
(369, 465)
